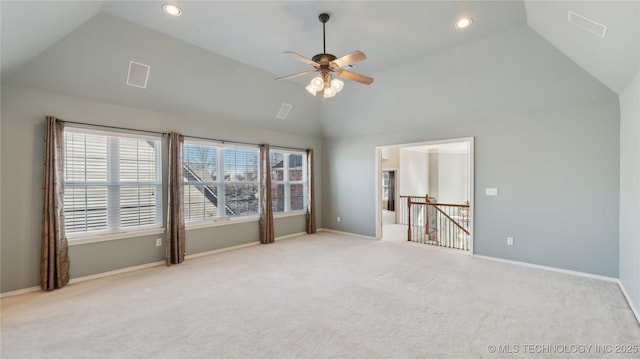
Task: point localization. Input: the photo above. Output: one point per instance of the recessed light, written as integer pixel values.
(464, 23)
(172, 10)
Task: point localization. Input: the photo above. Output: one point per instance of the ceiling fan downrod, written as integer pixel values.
(324, 17)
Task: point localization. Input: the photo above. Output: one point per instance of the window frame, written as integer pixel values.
(287, 182)
(385, 185)
(112, 183)
(221, 218)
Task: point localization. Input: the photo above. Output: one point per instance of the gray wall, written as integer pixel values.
(556, 171)
(546, 135)
(511, 72)
(453, 178)
(414, 173)
(93, 60)
(630, 190)
(23, 112)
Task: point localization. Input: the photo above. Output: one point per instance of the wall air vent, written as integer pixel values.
(138, 74)
(284, 111)
(587, 24)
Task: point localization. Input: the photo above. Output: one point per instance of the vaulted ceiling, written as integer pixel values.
(256, 33)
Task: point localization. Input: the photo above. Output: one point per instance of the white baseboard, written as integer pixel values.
(345, 233)
(86, 278)
(291, 236)
(19, 291)
(114, 272)
(142, 266)
(635, 311)
(553, 269)
(202, 254)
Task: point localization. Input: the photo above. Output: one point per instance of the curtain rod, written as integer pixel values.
(115, 127)
(244, 143)
(194, 137)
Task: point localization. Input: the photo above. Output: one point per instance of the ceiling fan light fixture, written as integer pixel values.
(337, 85)
(464, 23)
(312, 89)
(172, 10)
(329, 67)
(318, 83)
(329, 92)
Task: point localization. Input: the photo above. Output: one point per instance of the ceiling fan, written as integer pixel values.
(329, 66)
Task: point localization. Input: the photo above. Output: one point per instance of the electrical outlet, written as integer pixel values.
(338, 219)
(510, 241)
(158, 242)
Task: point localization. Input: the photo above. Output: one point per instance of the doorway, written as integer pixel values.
(391, 230)
(438, 173)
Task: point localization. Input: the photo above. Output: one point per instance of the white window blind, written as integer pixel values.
(288, 181)
(112, 181)
(219, 177)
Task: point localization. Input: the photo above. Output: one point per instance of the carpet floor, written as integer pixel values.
(325, 295)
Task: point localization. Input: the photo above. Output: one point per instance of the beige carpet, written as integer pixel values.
(322, 296)
(390, 230)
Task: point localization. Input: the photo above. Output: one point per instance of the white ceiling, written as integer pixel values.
(391, 33)
(257, 33)
(614, 59)
(30, 27)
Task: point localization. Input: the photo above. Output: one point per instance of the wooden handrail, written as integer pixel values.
(435, 205)
(444, 233)
(452, 220)
(445, 204)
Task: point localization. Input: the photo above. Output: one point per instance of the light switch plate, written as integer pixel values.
(491, 191)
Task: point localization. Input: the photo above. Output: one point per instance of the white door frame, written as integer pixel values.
(378, 186)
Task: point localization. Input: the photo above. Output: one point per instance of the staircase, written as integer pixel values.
(440, 224)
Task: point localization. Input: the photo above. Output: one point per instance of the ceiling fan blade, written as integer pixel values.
(297, 75)
(302, 58)
(354, 77)
(349, 59)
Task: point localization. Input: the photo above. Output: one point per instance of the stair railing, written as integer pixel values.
(441, 224)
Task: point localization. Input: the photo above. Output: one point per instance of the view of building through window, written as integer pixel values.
(288, 181)
(113, 181)
(209, 186)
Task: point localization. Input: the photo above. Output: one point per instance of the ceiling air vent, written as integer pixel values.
(587, 24)
(284, 111)
(138, 74)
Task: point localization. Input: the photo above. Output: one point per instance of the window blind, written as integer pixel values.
(288, 181)
(112, 181)
(220, 181)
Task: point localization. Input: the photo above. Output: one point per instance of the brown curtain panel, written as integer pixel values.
(175, 219)
(266, 208)
(311, 204)
(54, 259)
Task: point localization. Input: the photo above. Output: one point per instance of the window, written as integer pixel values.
(112, 181)
(288, 181)
(217, 177)
(385, 185)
